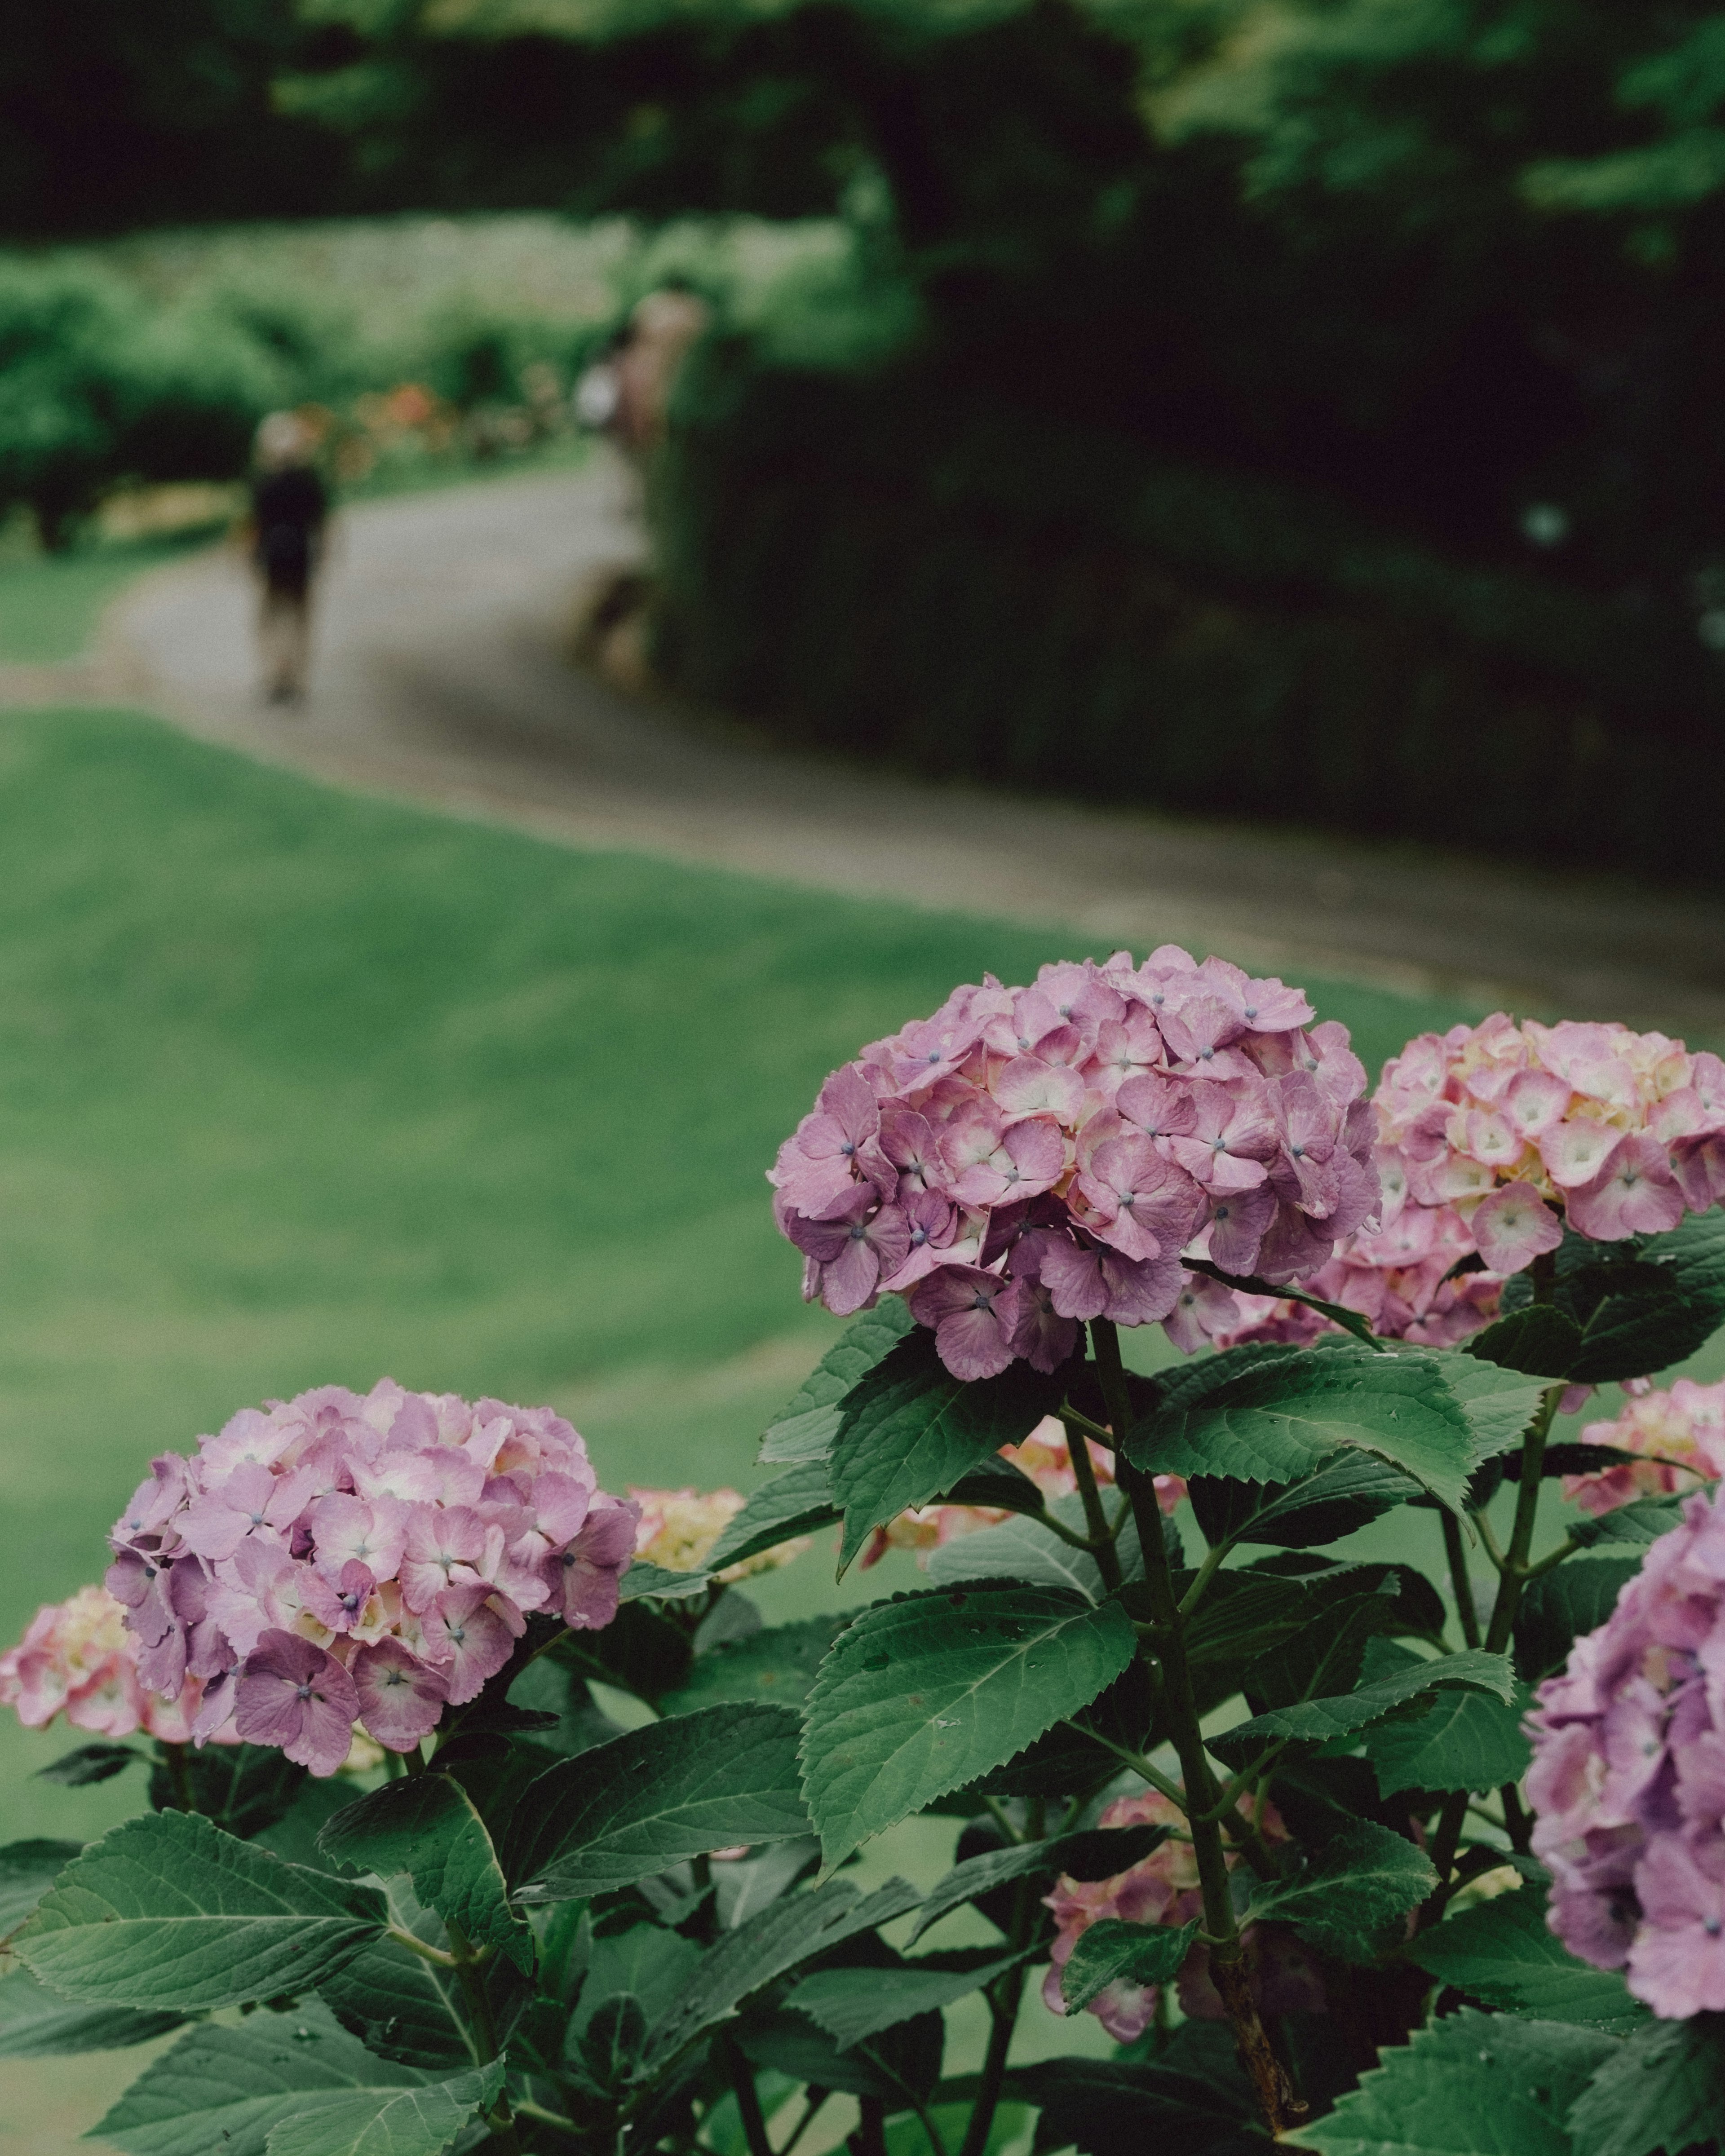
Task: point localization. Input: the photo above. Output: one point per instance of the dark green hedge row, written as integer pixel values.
(882, 567)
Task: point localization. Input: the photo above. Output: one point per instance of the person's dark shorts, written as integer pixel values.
(285, 556)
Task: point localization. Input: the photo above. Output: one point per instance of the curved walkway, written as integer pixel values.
(440, 678)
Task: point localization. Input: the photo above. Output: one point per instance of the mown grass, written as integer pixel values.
(295, 1086)
(50, 603)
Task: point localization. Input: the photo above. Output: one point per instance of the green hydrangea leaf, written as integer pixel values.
(228, 2089)
(1640, 1524)
(1021, 1549)
(805, 1427)
(428, 1827)
(852, 2004)
(1470, 2084)
(910, 1430)
(1541, 1340)
(1663, 2090)
(1560, 1605)
(775, 1667)
(1096, 1853)
(767, 1947)
(927, 1692)
(36, 2024)
(1276, 1416)
(674, 1789)
(1318, 1720)
(1192, 2099)
(1112, 1950)
(1346, 1494)
(169, 1912)
(27, 1869)
(794, 1503)
(408, 2121)
(1464, 1740)
(644, 1579)
(87, 1764)
(1350, 1898)
(400, 2005)
(1503, 1953)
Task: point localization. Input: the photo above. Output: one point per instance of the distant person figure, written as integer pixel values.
(661, 329)
(290, 508)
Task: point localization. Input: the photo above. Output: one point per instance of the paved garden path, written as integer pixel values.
(440, 678)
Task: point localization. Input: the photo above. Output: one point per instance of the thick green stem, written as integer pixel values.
(1096, 1519)
(180, 1775)
(869, 2138)
(538, 2113)
(434, 1955)
(471, 1974)
(1504, 1610)
(749, 2098)
(1093, 1545)
(813, 2097)
(1566, 1548)
(1004, 1996)
(1206, 1573)
(1517, 1820)
(1462, 1586)
(1513, 1570)
(1280, 2107)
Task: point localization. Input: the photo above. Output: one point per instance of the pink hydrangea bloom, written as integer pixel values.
(1164, 1889)
(1683, 1431)
(79, 1660)
(1629, 1777)
(1044, 1456)
(333, 1561)
(1030, 1158)
(1486, 1133)
(1508, 1124)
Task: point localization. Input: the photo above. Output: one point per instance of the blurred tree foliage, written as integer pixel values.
(1420, 299)
(96, 385)
(114, 115)
(1457, 259)
(1450, 273)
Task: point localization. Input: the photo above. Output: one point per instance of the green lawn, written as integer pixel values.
(296, 1086)
(49, 603)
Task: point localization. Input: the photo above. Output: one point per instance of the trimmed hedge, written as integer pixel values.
(878, 565)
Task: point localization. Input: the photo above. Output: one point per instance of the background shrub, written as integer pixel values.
(881, 562)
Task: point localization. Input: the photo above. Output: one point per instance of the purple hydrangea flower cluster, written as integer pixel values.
(333, 1560)
(1629, 1777)
(1027, 1158)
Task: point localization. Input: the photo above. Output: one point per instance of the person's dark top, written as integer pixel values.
(288, 512)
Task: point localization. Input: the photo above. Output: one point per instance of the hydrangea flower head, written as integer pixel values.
(678, 1526)
(1511, 1124)
(1030, 1158)
(1485, 1134)
(1680, 1434)
(334, 1562)
(79, 1660)
(1164, 1889)
(1629, 1777)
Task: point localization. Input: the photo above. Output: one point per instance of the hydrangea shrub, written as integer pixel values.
(487, 1811)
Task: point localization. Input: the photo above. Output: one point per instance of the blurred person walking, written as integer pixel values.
(290, 508)
(626, 391)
